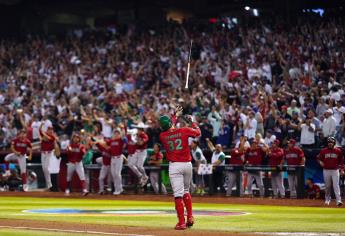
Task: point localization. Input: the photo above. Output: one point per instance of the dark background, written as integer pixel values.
(19, 17)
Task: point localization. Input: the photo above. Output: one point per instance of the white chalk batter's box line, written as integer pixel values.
(69, 231)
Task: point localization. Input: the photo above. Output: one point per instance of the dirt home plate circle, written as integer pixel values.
(131, 212)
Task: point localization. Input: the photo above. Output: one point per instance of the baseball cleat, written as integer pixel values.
(67, 192)
(180, 226)
(85, 192)
(25, 187)
(190, 222)
(101, 193)
(327, 202)
(118, 192)
(340, 203)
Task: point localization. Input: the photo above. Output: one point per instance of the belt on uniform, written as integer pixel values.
(116, 156)
(46, 151)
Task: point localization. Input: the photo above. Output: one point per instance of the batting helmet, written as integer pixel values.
(165, 122)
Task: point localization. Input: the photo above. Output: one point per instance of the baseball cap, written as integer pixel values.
(329, 111)
(276, 142)
(284, 107)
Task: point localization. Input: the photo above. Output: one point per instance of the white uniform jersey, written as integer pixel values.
(202, 158)
(216, 156)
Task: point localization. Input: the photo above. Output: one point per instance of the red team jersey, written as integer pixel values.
(275, 157)
(144, 138)
(75, 152)
(255, 156)
(115, 146)
(313, 192)
(131, 146)
(21, 145)
(333, 159)
(47, 145)
(294, 156)
(237, 157)
(175, 143)
(105, 154)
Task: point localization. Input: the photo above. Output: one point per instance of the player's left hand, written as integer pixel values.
(29, 157)
(341, 172)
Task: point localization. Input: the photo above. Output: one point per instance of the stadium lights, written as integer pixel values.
(255, 12)
(247, 8)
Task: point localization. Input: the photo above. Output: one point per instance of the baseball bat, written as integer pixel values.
(188, 66)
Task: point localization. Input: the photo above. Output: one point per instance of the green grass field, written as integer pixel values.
(259, 218)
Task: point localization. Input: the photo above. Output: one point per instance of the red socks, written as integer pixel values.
(23, 178)
(179, 210)
(187, 199)
(83, 184)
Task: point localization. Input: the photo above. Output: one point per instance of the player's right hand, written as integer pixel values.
(178, 110)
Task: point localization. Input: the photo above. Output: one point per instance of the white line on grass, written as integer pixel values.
(71, 231)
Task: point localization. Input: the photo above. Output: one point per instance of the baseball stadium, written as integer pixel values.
(172, 117)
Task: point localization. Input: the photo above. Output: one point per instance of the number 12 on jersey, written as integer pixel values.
(175, 145)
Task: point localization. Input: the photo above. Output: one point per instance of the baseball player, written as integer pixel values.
(276, 159)
(175, 143)
(75, 153)
(254, 157)
(105, 162)
(116, 145)
(20, 146)
(294, 156)
(199, 158)
(331, 160)
(48, 140)
(136, 161)
(237, 159)
(156, 160)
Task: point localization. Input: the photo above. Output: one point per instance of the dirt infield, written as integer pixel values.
(167, 198)
(107, 229)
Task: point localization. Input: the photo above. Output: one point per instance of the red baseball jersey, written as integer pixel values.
(237, 157)
(21, 145)
(294, 156)
(332, 158)
(156, 156)
(131, 146)
(75, 152)
(175, 143)
(276, 156)
(47, 145)
(106, 157)
(255, 156)
(115, 146)
(144, 138)
(313, 191)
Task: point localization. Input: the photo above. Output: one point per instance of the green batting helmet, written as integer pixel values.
(165, 122)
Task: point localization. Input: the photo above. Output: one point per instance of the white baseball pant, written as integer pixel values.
(99, 160)
(231, 182)
(277, 183)
(180, 174)
(21, 159)
(115, 169)
(45, 160)
(292, 179)
(104, 173)
(259, 182)
(78, 167)
(154, 175)
(332, 177)
(136, 163)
